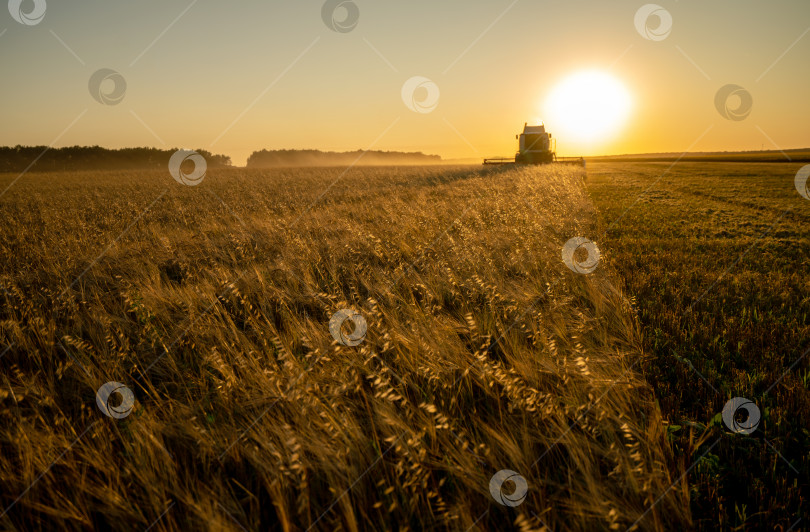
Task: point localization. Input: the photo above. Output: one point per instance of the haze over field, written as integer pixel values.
(236, 78)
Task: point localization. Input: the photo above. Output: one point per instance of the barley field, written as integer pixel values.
(210, 307)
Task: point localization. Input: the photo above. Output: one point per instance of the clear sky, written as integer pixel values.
(234, 77)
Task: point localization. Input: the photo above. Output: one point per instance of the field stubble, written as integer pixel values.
(716, 256)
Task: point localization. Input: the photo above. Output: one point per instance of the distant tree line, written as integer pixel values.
(18, 158)
(276, 158)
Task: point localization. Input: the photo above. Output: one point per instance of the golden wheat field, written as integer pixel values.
(212, 304)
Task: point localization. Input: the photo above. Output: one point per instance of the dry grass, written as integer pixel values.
(484, 352)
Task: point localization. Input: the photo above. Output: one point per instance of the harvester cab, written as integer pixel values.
(535, 146)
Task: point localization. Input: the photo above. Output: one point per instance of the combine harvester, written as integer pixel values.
(536, 147)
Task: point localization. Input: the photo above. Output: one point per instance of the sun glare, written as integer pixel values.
(587, 107)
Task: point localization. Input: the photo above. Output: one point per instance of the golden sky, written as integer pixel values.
(242, 76)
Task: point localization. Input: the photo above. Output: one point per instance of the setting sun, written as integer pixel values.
(588, 107)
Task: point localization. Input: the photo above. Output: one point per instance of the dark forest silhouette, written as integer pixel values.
(76, 158)
(80, 158)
